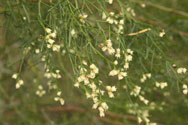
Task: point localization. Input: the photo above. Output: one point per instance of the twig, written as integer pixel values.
(111, 121)
(139, 32)
(178, 12)
(167, 9)
(161, 25)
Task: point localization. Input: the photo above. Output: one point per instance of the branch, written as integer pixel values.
(161, 25)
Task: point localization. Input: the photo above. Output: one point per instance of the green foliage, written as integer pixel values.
(73, 50)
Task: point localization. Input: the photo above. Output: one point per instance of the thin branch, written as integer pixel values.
(139, 32)
(167, 9)
(161, 25)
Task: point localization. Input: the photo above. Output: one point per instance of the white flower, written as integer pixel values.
(102, 108)
(77, 84)
(103, 16)
(58, 93)
(110, 20)
(56, 48)
(121, 22)
(37, 51)
(185, 89)
(117, 53)
(115, 62)
(136, 91)
(48, 30)
(24, 18)
(129, 51)
(53, 35)
(51, 41)
(62, 102)
(19, 83)
(110, 1)
(143, 5)
(139, 120)
(94, 69)
(121, 75)
(181, 70)
(145, 76)
(126, 65)
(162, 33)
(128, 58)
(83, 17)
(15, 76)
(113, 72)
(84, 62)
(111, 51)
(73, 32)
(162, 85)
(111, 90)
(148, 75)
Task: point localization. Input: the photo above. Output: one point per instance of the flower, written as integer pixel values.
(19, 83)
(48, 30)
(103, 16)
(121, 75)
(145, 76)
(162, 33)
(40, 92)
(37, 51)
(73, 32)
(58, 98)
(162, 85)
(185, 89)
(102, 108)
(15, 76)
(136, 91)
(181, 70)
(128, 57)
(110, 90)
(94, 69)
(110, 1)
(113, 72)
(83, 17)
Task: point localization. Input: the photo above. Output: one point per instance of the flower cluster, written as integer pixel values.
(181, 70)
(50, 40)
(115, 19)
(82, 17)
(145, 101)
(40, 92)
(51, 86)
(131, 11)
(59, 98)
(162, 85)
(121, 74)
(145, 76)
(94, 91)
(110, 90)
(143, 114)
(185, 89)
(56, 75)
(107, 47)
(136, 91)
(121, 71)
(19, 82)
(102, 108)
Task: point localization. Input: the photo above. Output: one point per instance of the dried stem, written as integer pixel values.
(139, 32)
(161, 25)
